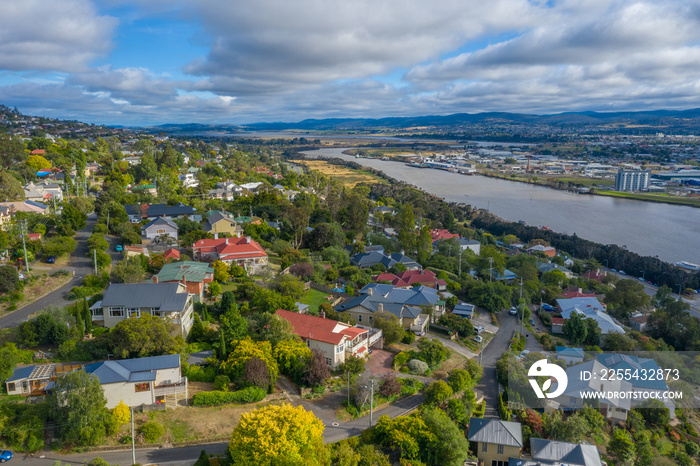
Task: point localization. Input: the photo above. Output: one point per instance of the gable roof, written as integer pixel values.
(159, 210)
(160, 221)
(163, 296)
(623, 361)
(496, 432)
(569, 352)
(573, 454)
(231, 248)
(320, 329)
(171, 253)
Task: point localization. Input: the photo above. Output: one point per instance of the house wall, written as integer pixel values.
(126, 391)
(224, 226)
(361, 315)
(329, 350)
(183, 319)
(168, 376)
(491, 453)
(157, 230)
(17, 387)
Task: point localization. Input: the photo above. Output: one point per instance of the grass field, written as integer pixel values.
(665, 198)
(345, 175)
(314, 298)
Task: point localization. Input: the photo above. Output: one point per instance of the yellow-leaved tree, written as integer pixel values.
(292, 356)
(245, 350)
(280, 434)
(121, 413)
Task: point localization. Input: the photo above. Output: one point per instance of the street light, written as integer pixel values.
(679, 291)
(460, 261)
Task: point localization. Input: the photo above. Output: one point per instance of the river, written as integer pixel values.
(670, 232)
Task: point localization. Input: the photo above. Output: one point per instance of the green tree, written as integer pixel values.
(621, 446)
(242, 352)
(72, 216)
(10, 188)
(446, 445)
(10, 356)
(279, 434)
(493, 296)
(654, 412)
(406, 233)
(78, 405)
(59, 246)
(433, 352)
(424, 245)
(220, 271)
(11, 151)
(575, 328)
(625, 297)
(460, 380)
(9, 279)
(144, 336)
(392, 329)
(129, 270)
(438, 392)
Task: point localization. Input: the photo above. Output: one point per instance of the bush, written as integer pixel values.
(408, 338)
(199, 374)
(97, 461)
(216, 398)
(389, 385)
(221, 382)
(401, 358)
(151, 431)
(416, 366)
(438, 392)
(410, 386)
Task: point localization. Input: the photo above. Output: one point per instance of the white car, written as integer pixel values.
(479, 329)
(478, 339)
(513, 311)
(20, 275)
(523, 354)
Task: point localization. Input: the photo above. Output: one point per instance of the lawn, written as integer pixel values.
(661, 197)
(35, 287)
(314, 298)
(345, 175)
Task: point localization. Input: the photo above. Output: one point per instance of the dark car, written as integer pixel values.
(51, 259)
(6, 455)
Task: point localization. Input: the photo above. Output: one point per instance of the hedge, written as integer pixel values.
(215, 398)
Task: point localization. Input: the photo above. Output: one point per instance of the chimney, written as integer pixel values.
(323, 314)
(369, 291)
(155, 278)
(247, 239)
(216, 236)
(380, 307)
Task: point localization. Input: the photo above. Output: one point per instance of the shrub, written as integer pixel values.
(416, 366)
(216, 398)
(151, 431)
(408, 338)
(401, 358)
(459, 380)
(410, 386)
(221, 382)
(438, 392)
(97, 461)
(199, 374)
(389, 385)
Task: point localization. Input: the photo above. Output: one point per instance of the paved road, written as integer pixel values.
(79, 263)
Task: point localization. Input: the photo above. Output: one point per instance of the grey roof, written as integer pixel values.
(132, 370)
(218, 216)
(368, 259)
(463, 309)
(570, 352)
(373, 303)
(545, 267)
(576, 386)
(623, 361)
(160, 221)
(467, 242)
(21, 373)
(163, 296)
(573, 454)
(198, 358)
(496, 432)
(158, 210)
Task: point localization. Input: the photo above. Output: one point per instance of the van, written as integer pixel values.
(119, 248)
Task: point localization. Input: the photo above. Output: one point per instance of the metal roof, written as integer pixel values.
(132, 370)
(160, 221)
(573, 454)
(162, 296)
(496, 432)
(21, 373)
(192, 271)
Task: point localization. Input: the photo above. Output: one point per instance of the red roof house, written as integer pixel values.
(333, 338)
(243, 251)
(411, 278)
(38, 152)
(34, 236)
(442, 234)
(171, 253)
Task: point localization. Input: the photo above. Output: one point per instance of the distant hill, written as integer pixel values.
(665, 119)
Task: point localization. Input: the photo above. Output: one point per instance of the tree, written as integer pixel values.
(405, 433)
(292, 356)
(242, 352)
(11, 150)
(10, 188)
(256, 373)
(197, 332)
(460, 380)
(297, 219)
(325, 235)
(316, 371)
(214, 289)
(392, 329)
(654, 412)
(10, 356)
(73, 217)
(432, 352)
(621, 446)
(389, 385)
(220, 271)
(279, 434)
(625, 297)
(446, 445)
(492, 296)
(355, 365)
(9, 279)
(232, 325)
(424, 245)
(129, 270)
(573, 429)
(406, 233)
(144, 336)
(575, 328)
(78, 405)
(438, 392)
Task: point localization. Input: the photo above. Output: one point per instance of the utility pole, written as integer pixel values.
(348, 389)
(23, 227)
(133, 447)
(522, 309)
(490, 268)
(94, 257)
(460, 261)
(371, 401)
(680, 286)
(107, 217)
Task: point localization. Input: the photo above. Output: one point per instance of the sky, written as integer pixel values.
(147, 62)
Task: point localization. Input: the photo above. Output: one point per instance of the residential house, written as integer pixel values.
(136, 212)
(91, 169)
(589, 308)
(34, 236)
(497, 441)
(411, 278)
(386, 210)
(194, 276)
(141, 381)
(554, 452)
(132, 160)
(25, 206)
(464, 310)
(605, 391)
(33, 380)
(336, 340)
(546, 250)
(158, 227)
(169, 301)
(471, 244)
(570, 355)
(366, 260)
(545, 267)
(507, 276)
(173, 212)
(243, 251)
(438, 234)
(171, 254)
(596, 275)
(43, 192)
(636, 365)
(638, 321)
(219, 223)
(130, 250)
(404, 304)
(252, 187)
(145, 188)
(188, 180)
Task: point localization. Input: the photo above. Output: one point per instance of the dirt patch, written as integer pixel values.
(380, 362)
(455, 360)
(35, 288)
(345, 175)
(196, 387)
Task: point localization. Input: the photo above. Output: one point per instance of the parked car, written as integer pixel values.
(532, 321)
(6, 455)
(20, 275)
(622, 272)
(513, 311)
(51, 259)
(479, 329)
(547, 307)
(523, 354)
(478, 339)
(119, 248)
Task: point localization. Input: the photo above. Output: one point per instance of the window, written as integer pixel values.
(10, 387)
(156, 312)
(116, 312)
(160, 232)
(499, 463)
(339, 349)
(142, 387)
(99, 312)
(328, 361)
(359, 317)
(484, 447)
(500, 449)
(133, 312)
(370, 318)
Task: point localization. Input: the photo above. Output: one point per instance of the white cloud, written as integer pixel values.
(52, 35)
